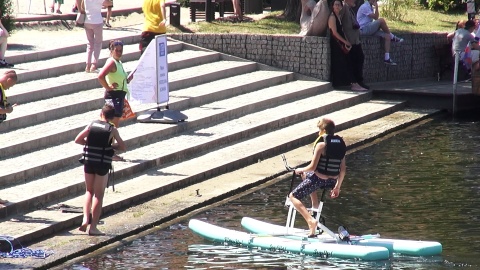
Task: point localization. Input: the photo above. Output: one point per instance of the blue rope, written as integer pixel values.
(25, 253)
(22, 252)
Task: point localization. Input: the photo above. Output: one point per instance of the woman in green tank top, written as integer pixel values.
(114, 79)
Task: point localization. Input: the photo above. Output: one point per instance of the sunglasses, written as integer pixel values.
(116, 43)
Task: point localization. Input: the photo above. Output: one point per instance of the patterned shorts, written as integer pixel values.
(311, 183)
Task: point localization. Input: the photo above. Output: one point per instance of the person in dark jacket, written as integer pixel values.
(340, 71)
(98, 150)
(351, 29)
(325, 170)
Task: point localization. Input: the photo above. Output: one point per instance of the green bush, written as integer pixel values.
(396, 9)
(184, 3)
(6, 9)
(445, 5)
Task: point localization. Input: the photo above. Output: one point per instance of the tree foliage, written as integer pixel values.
(6, 11)
(293, 10)
(396, 9)
(445, 5)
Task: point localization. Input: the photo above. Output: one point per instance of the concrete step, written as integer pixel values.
(200, 74)
(40, 89)
(70, 63)
(62, 130)
(203, 166)
(43, 110)
(18, 53)
(22, 168)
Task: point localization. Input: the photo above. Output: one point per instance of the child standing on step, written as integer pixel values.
(98, 150)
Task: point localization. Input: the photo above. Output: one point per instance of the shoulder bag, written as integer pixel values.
(80, 20)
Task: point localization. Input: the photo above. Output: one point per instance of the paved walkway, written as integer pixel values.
(34, 8)
(38, 31)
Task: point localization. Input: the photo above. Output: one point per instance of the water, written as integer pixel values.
(420, 185)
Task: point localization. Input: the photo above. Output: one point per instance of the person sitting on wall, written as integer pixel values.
(372, 25)
(462, 39)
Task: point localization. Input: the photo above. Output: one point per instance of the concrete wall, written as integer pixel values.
(311, 55)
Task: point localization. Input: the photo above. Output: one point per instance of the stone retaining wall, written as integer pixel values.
(311, 55)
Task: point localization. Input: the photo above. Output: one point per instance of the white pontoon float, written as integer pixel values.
(326, 244)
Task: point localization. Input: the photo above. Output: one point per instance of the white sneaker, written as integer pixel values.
(390, 62)
(397, 39)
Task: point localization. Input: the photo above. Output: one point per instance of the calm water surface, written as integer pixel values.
(422, 185)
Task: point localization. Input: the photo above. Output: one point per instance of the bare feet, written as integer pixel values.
(312, 225)
(83, 227)
(95, 232)
(85, 222)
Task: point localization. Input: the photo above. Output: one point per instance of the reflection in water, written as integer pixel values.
(421, 184)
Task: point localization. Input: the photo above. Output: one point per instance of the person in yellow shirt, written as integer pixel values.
(154, 23)
(7, 80)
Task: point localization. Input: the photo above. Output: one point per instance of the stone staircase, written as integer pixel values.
(238, 112)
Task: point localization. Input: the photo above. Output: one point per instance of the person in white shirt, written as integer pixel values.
(463, 37)
(94, 31)
(372, 25)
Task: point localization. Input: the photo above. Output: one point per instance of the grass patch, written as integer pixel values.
(419, 20)
(416, 20)
(272, 23)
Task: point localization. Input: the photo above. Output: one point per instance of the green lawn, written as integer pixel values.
(416, 20)
(426, 21)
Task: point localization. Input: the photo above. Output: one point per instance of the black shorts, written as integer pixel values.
(146, 38)
(117, 100)
(95, 170)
